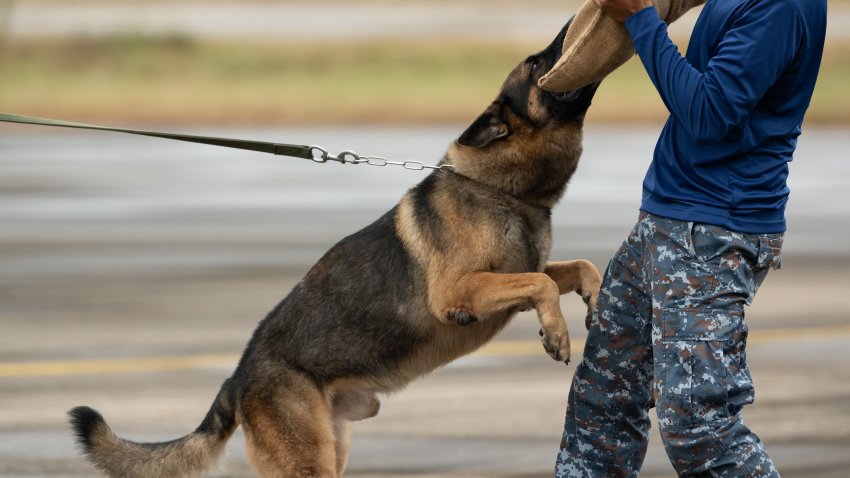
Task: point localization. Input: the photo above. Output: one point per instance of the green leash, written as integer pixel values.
(314, 153)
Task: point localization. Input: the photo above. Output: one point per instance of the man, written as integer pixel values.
(669, 328)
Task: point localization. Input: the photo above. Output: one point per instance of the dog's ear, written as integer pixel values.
(485, 129)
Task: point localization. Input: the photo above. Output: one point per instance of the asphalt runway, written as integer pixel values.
(133, 270)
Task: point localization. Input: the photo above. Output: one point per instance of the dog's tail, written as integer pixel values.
(185, 457)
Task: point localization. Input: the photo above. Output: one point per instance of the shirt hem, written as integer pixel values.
(722, 218)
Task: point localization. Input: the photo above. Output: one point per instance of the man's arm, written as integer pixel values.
(751, 56)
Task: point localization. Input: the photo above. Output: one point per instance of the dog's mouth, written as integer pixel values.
(563, 107)
(567, 96)
(569, 105)
(574, 95)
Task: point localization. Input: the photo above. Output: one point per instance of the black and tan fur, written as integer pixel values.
(433, 279)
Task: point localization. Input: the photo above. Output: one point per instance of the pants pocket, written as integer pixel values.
(692, 384)
(701, 372)
(740, 389)
(770, 251)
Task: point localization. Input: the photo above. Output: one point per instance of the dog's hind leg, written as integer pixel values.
(482, 295)
(289, 431)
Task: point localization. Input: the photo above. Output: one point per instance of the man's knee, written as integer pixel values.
(693, 450)
(726, 448)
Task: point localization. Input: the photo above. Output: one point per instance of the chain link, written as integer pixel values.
(321, 155)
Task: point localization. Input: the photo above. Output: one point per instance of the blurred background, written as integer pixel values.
(133, 270)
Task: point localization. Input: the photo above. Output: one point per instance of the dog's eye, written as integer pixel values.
(533, 63)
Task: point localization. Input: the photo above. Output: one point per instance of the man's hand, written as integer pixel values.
(621, 10)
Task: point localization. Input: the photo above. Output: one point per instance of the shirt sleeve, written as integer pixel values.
(758, 47)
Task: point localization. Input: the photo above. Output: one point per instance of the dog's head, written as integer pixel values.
(527, 142)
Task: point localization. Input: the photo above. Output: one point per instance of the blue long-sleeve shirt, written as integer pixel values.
(736, 103)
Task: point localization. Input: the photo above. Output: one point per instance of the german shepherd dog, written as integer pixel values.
(431, 280)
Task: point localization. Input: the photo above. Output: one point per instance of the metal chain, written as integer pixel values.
(321, 155)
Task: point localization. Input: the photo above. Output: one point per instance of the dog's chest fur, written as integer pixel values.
(452, 223)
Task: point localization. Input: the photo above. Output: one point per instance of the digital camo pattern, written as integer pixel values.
(669, 332)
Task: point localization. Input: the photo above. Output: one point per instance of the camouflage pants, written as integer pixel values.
(669, 332)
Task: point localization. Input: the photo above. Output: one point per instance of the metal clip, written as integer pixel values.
(355, 158)
(319, 154)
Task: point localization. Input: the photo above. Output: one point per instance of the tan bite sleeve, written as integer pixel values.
(596, 45)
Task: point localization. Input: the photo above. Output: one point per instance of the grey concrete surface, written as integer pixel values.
(133, 270)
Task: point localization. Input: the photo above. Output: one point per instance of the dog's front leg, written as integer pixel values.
(483, 295)
(580, 276)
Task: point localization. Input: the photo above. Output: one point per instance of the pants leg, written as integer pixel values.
(607, 424)
(701, 277)
(670, 314)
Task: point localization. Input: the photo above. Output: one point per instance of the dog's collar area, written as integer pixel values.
(453, 170)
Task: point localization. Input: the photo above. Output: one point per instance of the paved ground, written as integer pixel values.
(132, 272)
(151, 352)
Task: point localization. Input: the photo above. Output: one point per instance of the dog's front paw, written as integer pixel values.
(556, 344)
(590, 300)
(591, 280)
(461, 317)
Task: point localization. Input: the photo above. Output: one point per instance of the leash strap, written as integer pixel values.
(292, 150)
(317, 154)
